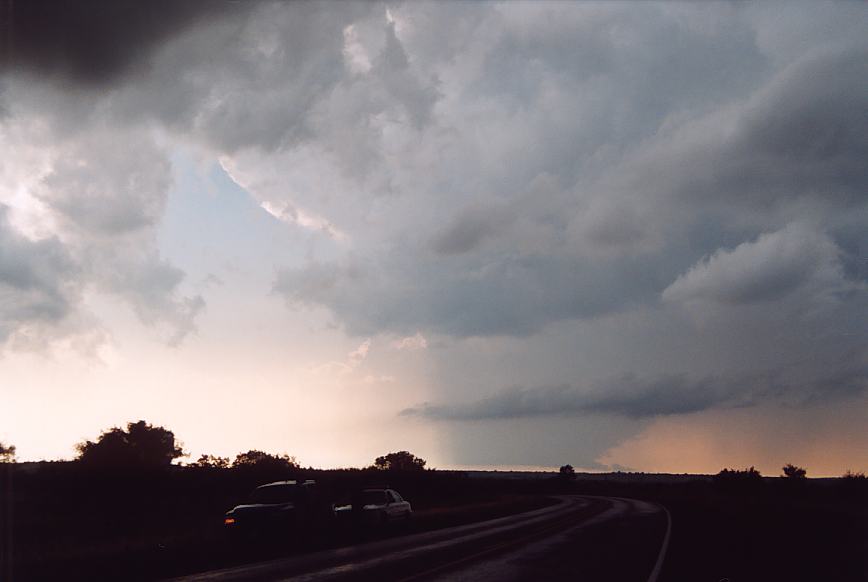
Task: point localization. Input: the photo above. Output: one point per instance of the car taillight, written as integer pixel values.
(229, 521)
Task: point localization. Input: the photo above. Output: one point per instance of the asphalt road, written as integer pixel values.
(579, 538)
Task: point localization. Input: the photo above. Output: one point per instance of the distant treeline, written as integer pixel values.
(143, 445)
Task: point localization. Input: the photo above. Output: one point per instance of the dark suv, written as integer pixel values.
(282, 507)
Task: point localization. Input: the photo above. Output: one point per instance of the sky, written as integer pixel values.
(624, 236)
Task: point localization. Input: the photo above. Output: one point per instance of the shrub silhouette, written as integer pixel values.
(260, 460)
(141, 445)
(854, 484)
(749, 475)
(400, 461)
(739, 480)
(7, 453)
(567, 473)
(793, 472)
(212, 462)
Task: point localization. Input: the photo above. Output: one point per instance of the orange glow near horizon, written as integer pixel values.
(815, 438)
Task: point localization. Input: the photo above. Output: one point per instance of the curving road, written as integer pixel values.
(581, 537)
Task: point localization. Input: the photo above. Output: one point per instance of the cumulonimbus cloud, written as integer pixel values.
(498, 171)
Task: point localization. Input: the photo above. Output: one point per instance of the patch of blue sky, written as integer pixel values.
(212, 227)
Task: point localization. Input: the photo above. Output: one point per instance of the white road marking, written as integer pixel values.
(665, 546)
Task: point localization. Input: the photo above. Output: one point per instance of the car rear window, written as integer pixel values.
(276, 494)
(373, 497)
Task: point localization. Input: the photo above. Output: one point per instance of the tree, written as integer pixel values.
(739, 479)
(7, 453)
(212, 462)
(141, 445)
(263, 461)
(567, 473)
(793, 472)
(400, 461)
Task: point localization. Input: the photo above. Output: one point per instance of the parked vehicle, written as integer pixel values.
(374, 507)
(282, 507)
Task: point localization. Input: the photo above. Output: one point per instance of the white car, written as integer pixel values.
(375, 507)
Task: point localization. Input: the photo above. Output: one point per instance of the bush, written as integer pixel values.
(7, 453)
(854, 482)
(793, 472)
(212, 462)
(264, 461)
(739, 480)
(400, 461)
(567, 473)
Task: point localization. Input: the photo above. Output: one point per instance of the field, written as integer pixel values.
(75, 523)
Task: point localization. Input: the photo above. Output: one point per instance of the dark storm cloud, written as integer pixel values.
(638, 398)
(791, 148)
(265, 78)
(808, 131)
(803, 135)
(95, 41)
(626, 396)
(469, 230)
(393, 69)
(511, 296)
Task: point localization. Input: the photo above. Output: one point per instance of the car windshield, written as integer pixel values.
(275, 494)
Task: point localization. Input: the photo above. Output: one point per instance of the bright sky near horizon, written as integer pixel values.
(499, 235)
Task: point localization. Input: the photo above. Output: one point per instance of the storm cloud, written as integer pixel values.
(640, 398)
(768, 269)
(92, 42)
(642, 209)
(37, 281)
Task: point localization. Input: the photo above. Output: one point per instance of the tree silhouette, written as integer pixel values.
(567, 473)
(141, 445)
(739, 480)
(7, 453)
(854, 484)
(400, 461)
(263, 461)
(793, 472)
(212, 462)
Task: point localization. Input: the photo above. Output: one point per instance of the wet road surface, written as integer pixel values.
(579, 538)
